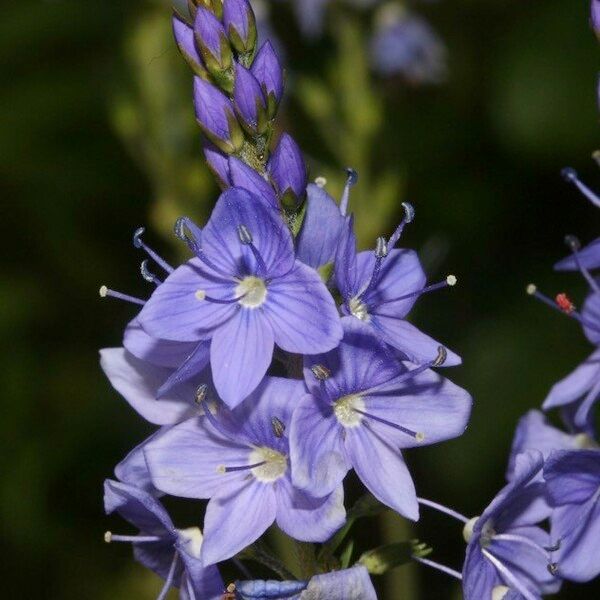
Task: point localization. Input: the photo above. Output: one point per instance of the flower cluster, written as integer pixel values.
(278, 357)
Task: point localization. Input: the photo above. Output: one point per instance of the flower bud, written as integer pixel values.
(184, 37)
(216, 117)
(212, 42)
(218, 163)
(249, 101)
(241, 175)
(288, 172)
(269, 73)
(240, 25)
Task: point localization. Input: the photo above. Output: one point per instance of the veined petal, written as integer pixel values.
(346, 270)
(317, 455)
(237, 515)
(413, 343)
(572, 476)
(138, 382)
(176, 311)
(188, 460)
(383, 471)
(240, 354)
(479, 576)
(246, 177)
(349, 584)
(190, 368)
(302, 312)
(270, 236)
(305, 518)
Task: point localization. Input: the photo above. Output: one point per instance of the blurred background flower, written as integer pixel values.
(98, 137)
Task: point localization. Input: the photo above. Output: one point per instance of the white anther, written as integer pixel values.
(200, 295)
(531, 289)
(468, 529)
(420, 437)
(103, 291)
(108, 537)
(499, 592)
(320, 182)
(221, 469)
(451, 280)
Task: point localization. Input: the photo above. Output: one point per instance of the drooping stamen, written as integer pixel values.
(438, 567)
(247, 240)
(443, 509)
(278, 427)
(201, 392)
(223, 469)
(520, 539)
(351, 180)
(104, 292)
(450, 281)
(570, 175)
(201, 296)
(148, 275)
(418, 435)
(533, 291)
(109, 537)
(169, 580)
(409, 215)
(381, 251)
(139, 243)
(213, 420)
(508, 575)
(574, 245)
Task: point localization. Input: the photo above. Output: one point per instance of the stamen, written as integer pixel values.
(381, 251)
(409, 215)
(570, 176)
(450, 281)
(351, 180)
(109, 537)
(223, 469)
(508, 575)
(169, 580)
(244, 234)
(438, 567)
(139, 243)
(320, 372)
(419, 436)
(247, 240)
(519, 539)
(104, 292)
(443, 509)
(555, 547)
(278, 427)
(574, 245)
(201, 296)
(148, 275)
(320, 182)
(201, 392)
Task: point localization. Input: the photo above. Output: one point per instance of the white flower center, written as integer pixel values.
(359, 309)
(274, 467)
(193, 540)
(344, 410)
(253, 290)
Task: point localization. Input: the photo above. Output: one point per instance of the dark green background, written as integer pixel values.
(482, 156)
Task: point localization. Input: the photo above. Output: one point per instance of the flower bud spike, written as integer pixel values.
(278, 427)
(107, 292)
(409, 215)
(351, 181)
(138, 242)
(148, 275)
(417, 435)
(574, 246)
(450, 281)
(570, 176)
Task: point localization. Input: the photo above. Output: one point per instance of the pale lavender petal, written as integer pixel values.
(175, 311)
(237, 515)
(346, 270)
(479, 576)
(302, 313)
(187, 460)
(218, 163)
(413, 343)
(164, 353)
(305, 518)
(382, 469)
(206, 582)
(572, 476)
(240, 354)
(246, 177)
(321, 230)
(317, 455)
(349, 584)
(138, 382)
(270, 235)
(589, 256)
(192, 367)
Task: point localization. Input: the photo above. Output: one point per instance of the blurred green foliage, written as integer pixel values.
(97, 137)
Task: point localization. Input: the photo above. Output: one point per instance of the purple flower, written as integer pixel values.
(577, 394)
(349, 584)
(379, 288)
(240, 24)
(363, 407)
(212, 41)
(505, 545)
(245, 291)
(249, 100)
(218, 163)
(239, 459)
(573, 483)
(246, 177)
(404, 44)
(173, 554)
(268, 71)
(288, 171)
(534, 432)
(216, 117)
